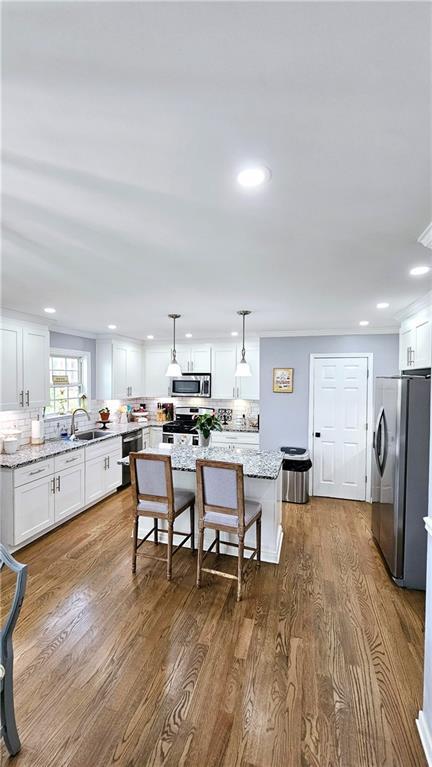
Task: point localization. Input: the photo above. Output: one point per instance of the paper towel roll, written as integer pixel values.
(37, 432)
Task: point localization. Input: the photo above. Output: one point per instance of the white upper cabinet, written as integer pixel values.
(24, 365)
(223, 370)
(415, 341)
(194, 358)
(248, 387)
(156, 361)
(119, 369)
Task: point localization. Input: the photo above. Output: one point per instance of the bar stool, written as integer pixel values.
(222, 507)
(155, 497)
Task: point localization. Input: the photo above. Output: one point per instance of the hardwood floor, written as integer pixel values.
(320, 665)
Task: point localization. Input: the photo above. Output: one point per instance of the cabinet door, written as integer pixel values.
(33, 508)
(224, 358)
(248, 388)
(155, 436)
(423, 344)
(183, 358)
(12, 390)
(156, 363)
(200, 358)
(69, 496)
(94, 479)
(35, 366)
(134, 370)
(406, 344)
(119, 372)
(113, 472)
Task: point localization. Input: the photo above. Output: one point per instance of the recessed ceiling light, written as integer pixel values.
(49, 310)
(234, 333)
(383, 305)
(150, 338)
(418, 271)
(188, 335)
(363, 323)
(254, 176)
(112, 327)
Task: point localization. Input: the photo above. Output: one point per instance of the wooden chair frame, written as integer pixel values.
(7, 710)
(240, 530)
(169, 517)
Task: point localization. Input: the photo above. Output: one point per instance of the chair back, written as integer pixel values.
(151, 478)
(220, 489)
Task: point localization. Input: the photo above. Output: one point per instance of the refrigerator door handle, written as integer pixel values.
(377, 442)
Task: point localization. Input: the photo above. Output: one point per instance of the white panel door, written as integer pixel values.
(12, 391)
(69, 496)
(36, 366)
(339, 426)
(223, 370)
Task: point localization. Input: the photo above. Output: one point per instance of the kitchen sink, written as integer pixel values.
(87, 436)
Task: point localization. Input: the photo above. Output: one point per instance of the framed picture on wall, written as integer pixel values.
(283, 380)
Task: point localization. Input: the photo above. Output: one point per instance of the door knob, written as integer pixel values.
(317, 433)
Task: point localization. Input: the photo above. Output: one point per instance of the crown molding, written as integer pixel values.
(426, 237)
(339, 332)
(416, 306)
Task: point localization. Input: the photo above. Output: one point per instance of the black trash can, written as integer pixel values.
(295, 477)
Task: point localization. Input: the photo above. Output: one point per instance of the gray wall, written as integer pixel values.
(284, 417)
(65, 341)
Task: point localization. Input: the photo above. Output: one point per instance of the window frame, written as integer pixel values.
(85, 356)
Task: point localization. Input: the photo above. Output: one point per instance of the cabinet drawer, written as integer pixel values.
(103, 448)
(34, 471)
(67, 461)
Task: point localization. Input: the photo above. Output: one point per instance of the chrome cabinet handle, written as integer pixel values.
(108, 462)
(36, 471)
(58, 483)
(21, 398)
(53, 485)
(28, 397)
(413, 357)
(69, 460)
(105, 463)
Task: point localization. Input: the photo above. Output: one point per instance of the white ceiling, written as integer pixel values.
(125, 125)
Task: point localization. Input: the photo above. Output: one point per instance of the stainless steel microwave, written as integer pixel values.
(191, 385)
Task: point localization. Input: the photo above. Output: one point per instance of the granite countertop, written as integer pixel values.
(265, 464)
(33, 453)
(246, 429)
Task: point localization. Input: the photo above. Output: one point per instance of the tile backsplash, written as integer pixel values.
(21, 419)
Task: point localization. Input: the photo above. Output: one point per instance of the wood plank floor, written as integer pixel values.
(320, 665)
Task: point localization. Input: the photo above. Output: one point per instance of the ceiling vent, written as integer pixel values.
(426, 238)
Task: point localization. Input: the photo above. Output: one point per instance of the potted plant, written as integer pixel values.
(104, 414)
(205, 424)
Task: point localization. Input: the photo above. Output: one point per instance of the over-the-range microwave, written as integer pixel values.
(191, 385)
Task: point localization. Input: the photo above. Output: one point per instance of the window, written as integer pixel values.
(68, 380)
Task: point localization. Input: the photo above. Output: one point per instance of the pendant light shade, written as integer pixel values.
(243, 370)
(173, 368)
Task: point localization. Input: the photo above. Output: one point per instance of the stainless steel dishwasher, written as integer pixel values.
(131, 443)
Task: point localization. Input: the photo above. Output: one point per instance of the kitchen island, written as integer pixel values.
(262, 480)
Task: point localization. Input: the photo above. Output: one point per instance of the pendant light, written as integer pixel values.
(243, 368)
(173, 368)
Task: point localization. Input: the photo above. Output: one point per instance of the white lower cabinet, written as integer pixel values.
(33, 508)
(36, 497)
(145, 438)
(155, 436)
(232, 440)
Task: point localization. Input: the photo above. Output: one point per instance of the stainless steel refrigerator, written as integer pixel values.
(400, 476)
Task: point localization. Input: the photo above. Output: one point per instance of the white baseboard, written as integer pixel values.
(425, 736)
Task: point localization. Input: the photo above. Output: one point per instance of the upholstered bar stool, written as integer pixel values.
(222, 507)
(155, 497)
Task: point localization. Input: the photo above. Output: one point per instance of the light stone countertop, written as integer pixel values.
(265, 464)
(33, 453)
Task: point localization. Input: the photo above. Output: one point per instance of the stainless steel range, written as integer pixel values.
(182, 430)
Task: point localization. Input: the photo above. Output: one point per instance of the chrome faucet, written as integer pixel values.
(73, 427)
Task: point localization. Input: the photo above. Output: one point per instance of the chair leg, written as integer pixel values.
(218, 542)
(134, 543)
(200, 556)
(258, 540)
(240, 568)
(170, 549)
(192, 524)
(156, 530)
(10, 732)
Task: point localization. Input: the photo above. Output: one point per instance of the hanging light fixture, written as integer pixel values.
(243, 368)
(173, 368)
